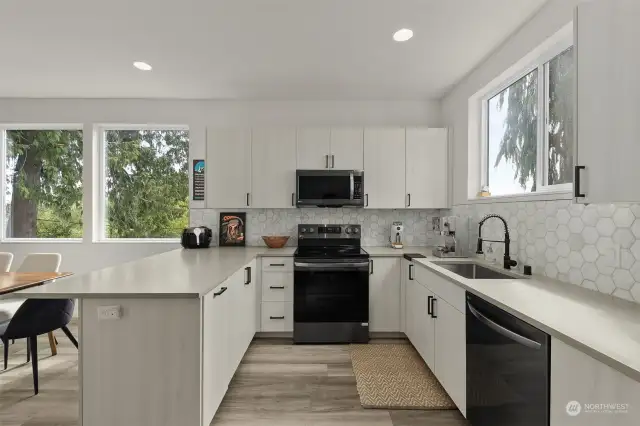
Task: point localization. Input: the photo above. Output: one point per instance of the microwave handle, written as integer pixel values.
(351, 186)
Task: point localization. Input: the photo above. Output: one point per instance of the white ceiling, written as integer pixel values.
(248, 49)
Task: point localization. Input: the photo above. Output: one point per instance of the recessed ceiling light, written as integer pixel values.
(142, 66)
(403, 34)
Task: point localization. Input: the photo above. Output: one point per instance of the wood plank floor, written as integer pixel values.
(283, 384)
(277, 384)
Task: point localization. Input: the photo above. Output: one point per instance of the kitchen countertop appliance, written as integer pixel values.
(397, 235)
(196, 237)
(329, 188)
(450, 248)
(330, 285)
(508, 368)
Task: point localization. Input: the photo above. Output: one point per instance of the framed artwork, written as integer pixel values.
(232, 229)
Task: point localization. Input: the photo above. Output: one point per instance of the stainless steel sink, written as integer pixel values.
(474, 271)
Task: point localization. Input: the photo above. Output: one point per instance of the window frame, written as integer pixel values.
(100, 222)
(560, 43)
(4, 127)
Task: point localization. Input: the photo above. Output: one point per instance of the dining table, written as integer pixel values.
(16, 281)
(11, 282)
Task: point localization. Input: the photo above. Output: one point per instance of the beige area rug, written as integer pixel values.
(394, 376)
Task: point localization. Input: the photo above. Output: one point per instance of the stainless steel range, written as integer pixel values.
(331, 285)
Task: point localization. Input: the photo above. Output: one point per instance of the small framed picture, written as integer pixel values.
(232, 229)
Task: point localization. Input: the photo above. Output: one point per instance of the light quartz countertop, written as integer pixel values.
(604, 327)
(177, 273)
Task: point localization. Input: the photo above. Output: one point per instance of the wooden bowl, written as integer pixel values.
(275, 241)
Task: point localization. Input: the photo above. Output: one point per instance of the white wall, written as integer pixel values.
(551, 18)
(81, 257)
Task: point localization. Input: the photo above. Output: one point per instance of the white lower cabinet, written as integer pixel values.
(228, 314)
(277, 317)
(581, 385)
(277, 295)
(420, 324)
(384, 294)
(437, 329)
(450, 352)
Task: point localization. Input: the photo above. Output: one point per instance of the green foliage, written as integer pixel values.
(519, 142)
(146, 183)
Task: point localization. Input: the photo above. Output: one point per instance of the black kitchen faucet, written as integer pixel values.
(508, 262)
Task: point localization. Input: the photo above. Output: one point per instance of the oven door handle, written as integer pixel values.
(331, 266)
(504, 331)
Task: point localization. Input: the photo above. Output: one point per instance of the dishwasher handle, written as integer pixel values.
(504, 331)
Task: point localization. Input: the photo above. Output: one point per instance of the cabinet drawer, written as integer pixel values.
(277, 264)
(441, 287)
(277, 287)
(277, 316)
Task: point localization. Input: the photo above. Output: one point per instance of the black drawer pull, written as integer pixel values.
(276, 264)
(277, 287)
(433, 308)
(247, 271)
(410, 270)
(277, 318)
(429, 305)
(222, 290)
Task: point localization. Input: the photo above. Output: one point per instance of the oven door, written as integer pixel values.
(328, 188)
(331, 291)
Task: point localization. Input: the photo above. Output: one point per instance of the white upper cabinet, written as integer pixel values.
(273, 167)
(347, 148)
(427, 172)
(384, 168)
(314, 148)
(228, 168)
(608, 101)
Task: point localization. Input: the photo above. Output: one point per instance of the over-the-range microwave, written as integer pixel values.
(329, 188)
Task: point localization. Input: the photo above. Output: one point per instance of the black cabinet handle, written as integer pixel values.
(326, 161)
(276, 264)
(370, 266)
(433, 307)
(247, 199)
(222, 290)
(293, 199)
(278, 318)
(576, 182)
(410, 272)
(333, 161)
(409, 196)
(366, 200)
(429, 299)
(277, 287)
(248, 275)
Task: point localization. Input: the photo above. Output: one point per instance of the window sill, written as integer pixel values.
(42, 240)
(139, 241)
(539, 196)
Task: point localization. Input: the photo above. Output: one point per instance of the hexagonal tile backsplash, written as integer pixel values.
(594, 246)
(376, 224)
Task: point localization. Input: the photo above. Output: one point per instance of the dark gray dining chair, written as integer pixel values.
(33, 318)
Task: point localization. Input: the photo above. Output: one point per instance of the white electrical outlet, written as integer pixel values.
(109, 312)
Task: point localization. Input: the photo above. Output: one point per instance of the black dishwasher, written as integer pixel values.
(507, 368)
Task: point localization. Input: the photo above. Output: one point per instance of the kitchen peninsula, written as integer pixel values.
(161, 337)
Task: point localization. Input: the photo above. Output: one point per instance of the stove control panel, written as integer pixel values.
(329, 231)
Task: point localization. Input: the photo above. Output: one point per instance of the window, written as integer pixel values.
(146, 182)
(43, 182)
(528, 142)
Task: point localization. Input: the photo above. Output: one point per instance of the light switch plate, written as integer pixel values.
(109, 312)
